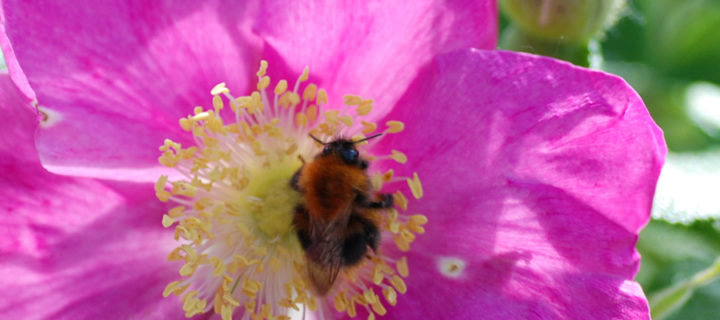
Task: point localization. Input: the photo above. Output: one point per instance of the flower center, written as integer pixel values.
(272, 198)
(235, 206)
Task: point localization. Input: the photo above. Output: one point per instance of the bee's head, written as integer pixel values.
(345, 149)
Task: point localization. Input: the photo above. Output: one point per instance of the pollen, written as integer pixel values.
(231, 211)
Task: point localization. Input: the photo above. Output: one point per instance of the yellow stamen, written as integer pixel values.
(305, 74)
(263, 83)
(351, 311)
(217, 103)
(368, 127)
(160, 191)
(219, 89)
(398, 156)
(281, 87)
(379, 308)
(352, 100)
(312, 113)
(387, 176)
(186, 124)
(399, 284)
(301, 119)
(176, 212)
(377, 275)
(390, 295)
(226, 312)
(331, 116)
(415, 186)
(394, 126)
(417, 229)
(167, 221)
(188, 269)
(310, 92)
(263, 68)
(407, 235)
(401, 243)
(375, 180)
(400, 199)
(235, 204)
(175, 288)
(370, 296)
(339, 303)
(418, 219)
(322, 97)
(364, 107)
(402, 267)
(347, 121)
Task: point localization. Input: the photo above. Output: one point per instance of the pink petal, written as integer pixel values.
(34, 200)
(16, 138)
(111, 267)
(370, 48)
(116, 77)
(538, 176)
(11, 62)
(70, 247)
(141, 67)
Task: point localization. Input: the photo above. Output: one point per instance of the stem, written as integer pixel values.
(666, 301)
(232, 291)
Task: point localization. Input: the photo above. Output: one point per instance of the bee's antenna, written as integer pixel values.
(368, 138)
(316, 139)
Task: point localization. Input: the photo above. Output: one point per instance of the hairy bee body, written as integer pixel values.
(333, 223)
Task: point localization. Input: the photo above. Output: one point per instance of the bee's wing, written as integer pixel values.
(323, 275)
(325, 252)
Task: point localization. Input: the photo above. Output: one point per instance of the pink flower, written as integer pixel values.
(536, 175)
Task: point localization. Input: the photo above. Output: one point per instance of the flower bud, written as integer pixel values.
(569, 21)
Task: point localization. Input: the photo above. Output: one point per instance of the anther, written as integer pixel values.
(398, 156)
(281, 87)
(394, 126)
(352, 100)
(219, 89)
(415, 186)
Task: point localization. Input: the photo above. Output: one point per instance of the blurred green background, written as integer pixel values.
(669, 51)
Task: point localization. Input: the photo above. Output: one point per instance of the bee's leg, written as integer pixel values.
(354, 248)
(361, 233)
(372, 234)
(295, 179)
(386, 201)
(301, 222)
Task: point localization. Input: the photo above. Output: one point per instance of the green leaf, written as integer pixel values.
(667, 301)
(677, 38)
(675, 273)
(682, 37)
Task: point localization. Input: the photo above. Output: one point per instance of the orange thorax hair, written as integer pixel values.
(330, 186)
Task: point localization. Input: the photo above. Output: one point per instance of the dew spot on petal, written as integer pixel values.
(48, 118)
(451, 267)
